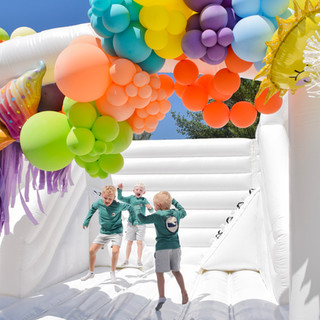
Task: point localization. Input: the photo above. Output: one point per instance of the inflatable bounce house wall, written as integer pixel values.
(108, 79)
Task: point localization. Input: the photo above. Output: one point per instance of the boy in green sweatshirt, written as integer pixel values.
(111, 229)
(168, 252)
(135, 230)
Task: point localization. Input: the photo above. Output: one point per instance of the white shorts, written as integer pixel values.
(102, 238)
(168, 259)
(137, 232)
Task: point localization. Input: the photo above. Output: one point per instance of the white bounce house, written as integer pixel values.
(235, 238)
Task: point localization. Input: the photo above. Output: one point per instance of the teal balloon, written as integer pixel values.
(43, 140)
(116, 18)
(130, 43)
(152, 64)
(99, 28)
(124, 138)
(80, 141)
(105, 128)
(107, 46)
(133, 8)
(99, 6)
(111, 163)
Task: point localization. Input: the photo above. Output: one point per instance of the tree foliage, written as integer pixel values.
(193, 126)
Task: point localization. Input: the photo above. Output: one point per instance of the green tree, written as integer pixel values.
(193, 126)
(143, 136)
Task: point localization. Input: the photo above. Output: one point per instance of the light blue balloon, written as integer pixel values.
(130, 43)
(133, 8)
(107, 46)
(116, 18)
(245, 8)
(152, 64)
(99, 6)
(272, 8)
(259, 65)
(99, 28)
(249, 37)
(288, 13)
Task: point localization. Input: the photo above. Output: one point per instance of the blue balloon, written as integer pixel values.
(152, 64)
(130, 43)
(107, 46)
(116, 18)
(245, 8)
(99, 6)
(99, 28)
(272, 8)
(133, 8)
(249, 37)
(259, 65)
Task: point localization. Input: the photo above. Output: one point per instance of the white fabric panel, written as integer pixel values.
(238, 246)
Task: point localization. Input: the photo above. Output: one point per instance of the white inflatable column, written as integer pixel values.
(304, 159)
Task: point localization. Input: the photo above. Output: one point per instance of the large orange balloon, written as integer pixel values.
(85, 38)
(216, 114)
(179, 89)
(243, 114)
(195, 97)
(215, 94)
(226, 82)
(235, 64)
(205, 81)
(82, 72)
(167, 84)
(272, 105)
(186, 72)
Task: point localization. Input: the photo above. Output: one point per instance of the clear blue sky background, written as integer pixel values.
(44, 14)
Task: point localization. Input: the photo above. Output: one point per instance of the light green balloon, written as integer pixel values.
(67, 104)
(82, 115)
(124, 138)
(111, 163)
(43, 140)
(109, 148)
(100, 147)
(92, 168)
(89, 158)
(4, 35)
(80, 141)
(79, 162)
(105, 128)
(102, 174)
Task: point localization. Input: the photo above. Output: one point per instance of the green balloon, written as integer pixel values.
(67, 104)
(111, 163)
(105, 128)
(109, 147)
(82, 115)
(4, 35)
(92, 168)
(102, 174)
(80, 141)
(100, 147)
(124, 138)
(89, 158)
(79, 162)
(43, 140)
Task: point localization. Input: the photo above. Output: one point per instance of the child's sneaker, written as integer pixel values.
(140, 263)
(113, 277)
(89, 275)
(126, 262)
(160, 303)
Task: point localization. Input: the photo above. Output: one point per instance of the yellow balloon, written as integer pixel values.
(156, 40)
(177, 23)
(173, 48)
(21, 32)
(154, 18)
(301, 3)
(148, 3)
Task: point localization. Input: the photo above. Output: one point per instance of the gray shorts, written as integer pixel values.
(135, 232)
(167, 260)
(102, 238)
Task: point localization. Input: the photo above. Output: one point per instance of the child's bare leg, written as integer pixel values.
(93, 254)
(180, 281)
(115, 257)
(139, 249)
(128, 250)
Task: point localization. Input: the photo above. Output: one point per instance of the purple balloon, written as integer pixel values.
(209, 61)
(217, 53)
(226, 3)
(213, 17)
(51, 98)
(225, 36)
(209, 38)
(198, 5)
(232, 18)
(192, 46)
(193, 22)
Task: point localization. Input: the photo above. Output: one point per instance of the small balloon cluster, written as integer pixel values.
(209, 30)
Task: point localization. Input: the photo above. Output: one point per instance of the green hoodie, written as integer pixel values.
(166, 223)
(109, 217)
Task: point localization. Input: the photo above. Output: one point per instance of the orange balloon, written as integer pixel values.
(181, 57)
(141, 79)
(165, 106)
(205, 81)
(145, 92)
(138, 102)
(87, 39)
(5, 138)
(160, 115)
(155, 82)
(186, 72)
(131, 90)
(215, 94)
(137, 131)
(234, 63)
(116, 95)
(142, 113)
(272, 105)
(154, 95)
(122, 71)
(137, 122)
(226, 82)
(195, 97)
(150, 123)
(161, 94)
(167, 84)
(216, 114)
(179, 89)
(243, 114)
(82, 72)
(153, 107)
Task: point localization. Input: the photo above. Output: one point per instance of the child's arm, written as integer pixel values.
(120, 196)
(180, 208)
(147, 219)
(91, 212)
(148, 206)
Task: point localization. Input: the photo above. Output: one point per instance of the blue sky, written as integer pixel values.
(43, 14)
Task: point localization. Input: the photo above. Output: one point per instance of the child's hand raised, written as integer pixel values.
(120, 186)
(149, 206)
